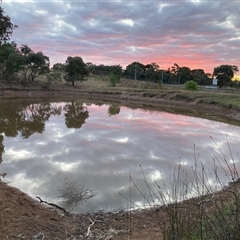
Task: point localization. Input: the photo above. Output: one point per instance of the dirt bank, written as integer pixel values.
(22, 217)
(170, 102)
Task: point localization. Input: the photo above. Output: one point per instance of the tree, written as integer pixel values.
(117, 70)
(90, 67)
(135, 70)
(76, 70)
(104, 70)
(34, 64)
(6, 27)
(10, 60)
(199, 76)
(174, 70)
(184, 74)
(224, 74)
(59, 67)
(152, 72)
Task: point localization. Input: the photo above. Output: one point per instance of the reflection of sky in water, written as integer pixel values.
(105, 150)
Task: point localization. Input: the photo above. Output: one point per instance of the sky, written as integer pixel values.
(191, 33)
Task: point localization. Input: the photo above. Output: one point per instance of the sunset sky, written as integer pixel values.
(196, 34)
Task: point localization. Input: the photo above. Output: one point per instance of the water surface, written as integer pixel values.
(99, 146)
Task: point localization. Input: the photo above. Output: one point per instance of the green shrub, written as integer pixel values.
(191, 85)
(113, 79)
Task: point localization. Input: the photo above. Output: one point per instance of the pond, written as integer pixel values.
(107, 150)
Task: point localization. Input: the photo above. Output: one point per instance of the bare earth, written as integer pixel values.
(22, 217)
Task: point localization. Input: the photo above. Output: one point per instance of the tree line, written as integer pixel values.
(23, 61)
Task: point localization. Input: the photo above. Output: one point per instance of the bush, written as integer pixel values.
(113, 79)
(191, 85)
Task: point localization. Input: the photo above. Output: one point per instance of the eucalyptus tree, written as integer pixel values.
(58, 67)
(199, 76)
(75, 70)
(6, 27)
(184, 75)
(224, 74)
(34, 64)
(135, 70)
(105, 70)
(152, 72)
(174, 73)
(10, 60)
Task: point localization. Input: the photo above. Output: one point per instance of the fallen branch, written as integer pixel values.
(52, 204)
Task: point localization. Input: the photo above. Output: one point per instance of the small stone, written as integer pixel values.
(19, 235)
(39, 236)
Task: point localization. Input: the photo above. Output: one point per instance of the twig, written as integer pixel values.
(88, 230)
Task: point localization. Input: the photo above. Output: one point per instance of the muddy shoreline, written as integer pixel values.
(171, 103)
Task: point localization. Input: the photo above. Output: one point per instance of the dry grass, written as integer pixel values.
(228, 98)
(198, 205)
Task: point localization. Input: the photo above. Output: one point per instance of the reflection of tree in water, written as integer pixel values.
(76, 114)
(35, 116)
(26, 120)
(1, 147)
(113, 110)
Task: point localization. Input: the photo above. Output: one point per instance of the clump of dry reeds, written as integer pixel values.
(198, 205)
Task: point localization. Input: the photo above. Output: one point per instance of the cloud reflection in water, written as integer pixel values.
(105, 147)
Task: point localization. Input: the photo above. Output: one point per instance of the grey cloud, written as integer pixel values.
(180, 30)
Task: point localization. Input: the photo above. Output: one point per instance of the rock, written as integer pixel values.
(39, 236)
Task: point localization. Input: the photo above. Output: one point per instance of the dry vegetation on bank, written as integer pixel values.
(226, 97)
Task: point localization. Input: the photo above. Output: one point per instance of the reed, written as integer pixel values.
(197, 205)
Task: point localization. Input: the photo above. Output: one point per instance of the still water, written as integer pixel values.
(45, 147)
